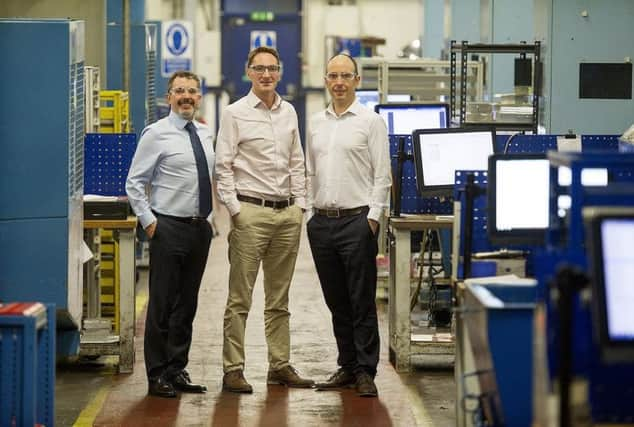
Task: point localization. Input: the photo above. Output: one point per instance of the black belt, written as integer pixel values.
(183, 219)
(275, 204)
(338, 213)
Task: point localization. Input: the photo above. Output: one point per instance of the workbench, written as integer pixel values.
(402, 345)
(123, 343)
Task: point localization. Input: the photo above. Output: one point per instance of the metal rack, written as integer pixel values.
(91, 108)
(464, 49)
(424, 79)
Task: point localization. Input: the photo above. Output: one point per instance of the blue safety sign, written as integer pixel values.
(263, 38)
(177, 50)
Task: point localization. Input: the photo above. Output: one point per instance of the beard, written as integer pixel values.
(187, 114)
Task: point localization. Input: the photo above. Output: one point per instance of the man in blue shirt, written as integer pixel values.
(173, 162)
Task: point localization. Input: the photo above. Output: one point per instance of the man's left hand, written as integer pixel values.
(374, 225)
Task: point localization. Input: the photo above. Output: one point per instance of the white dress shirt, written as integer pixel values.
(347, 160)
(259, 153)
(164, 160)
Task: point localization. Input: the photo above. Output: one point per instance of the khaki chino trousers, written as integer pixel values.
(270, 237)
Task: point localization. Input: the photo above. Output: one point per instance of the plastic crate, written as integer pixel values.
(499, 318)
(27, 364)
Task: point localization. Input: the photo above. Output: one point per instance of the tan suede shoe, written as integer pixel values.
(289, 377)
(234, 381)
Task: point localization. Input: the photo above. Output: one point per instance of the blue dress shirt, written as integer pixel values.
(164, 164)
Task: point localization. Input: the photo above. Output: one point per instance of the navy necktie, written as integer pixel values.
(204, 183)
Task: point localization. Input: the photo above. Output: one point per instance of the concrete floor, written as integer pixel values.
(91, 393)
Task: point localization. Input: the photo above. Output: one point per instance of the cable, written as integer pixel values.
(508, 142)
(421, 263)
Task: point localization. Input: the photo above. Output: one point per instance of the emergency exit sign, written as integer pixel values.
(266, 16)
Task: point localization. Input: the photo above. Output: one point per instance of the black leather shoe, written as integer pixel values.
(183, 382)
(340, 379)
(365, 385)
(160, 387)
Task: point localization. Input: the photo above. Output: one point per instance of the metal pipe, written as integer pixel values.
(125, 25)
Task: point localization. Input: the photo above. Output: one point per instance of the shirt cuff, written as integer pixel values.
(308, 215)
(300, 201)
(146, 219)
(233, 207)
(375, 214)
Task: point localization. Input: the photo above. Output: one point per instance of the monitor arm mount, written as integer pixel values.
(401, 157)
(568, 282)
(472, 190)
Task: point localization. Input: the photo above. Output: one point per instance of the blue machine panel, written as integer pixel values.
(542, 143)
(41, 155)
(108, 159)
(41, 166)
(610, 388)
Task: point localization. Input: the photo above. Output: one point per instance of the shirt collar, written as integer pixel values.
(178, 121)
(254, 101)
(352, 109)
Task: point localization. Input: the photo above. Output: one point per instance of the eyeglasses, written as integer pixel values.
(331, 77)
(182, 90)
(260, 69)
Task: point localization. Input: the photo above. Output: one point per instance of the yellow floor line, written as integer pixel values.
(87, 417)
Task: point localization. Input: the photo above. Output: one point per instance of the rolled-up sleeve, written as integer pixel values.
(298, 171)
(378, 145)
(226, 149)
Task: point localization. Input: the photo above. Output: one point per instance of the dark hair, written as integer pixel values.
(185, 74)
(262, 49)
(356, 69)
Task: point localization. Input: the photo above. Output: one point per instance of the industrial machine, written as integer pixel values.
(41, 168)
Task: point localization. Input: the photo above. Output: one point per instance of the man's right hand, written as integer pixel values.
(150, 230)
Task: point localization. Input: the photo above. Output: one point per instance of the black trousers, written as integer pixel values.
(178, 255)
(344, 250)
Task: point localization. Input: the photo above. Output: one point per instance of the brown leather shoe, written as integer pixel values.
(340, 379)
(365, 385)
(289, 377)
(234, 381)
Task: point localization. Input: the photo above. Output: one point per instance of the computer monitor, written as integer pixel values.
(370, 98)
(439, 153)
(609, 237)
(518, 197)
(403, 119)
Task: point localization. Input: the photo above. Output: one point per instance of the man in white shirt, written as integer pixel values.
(261, 180)
(348, 179)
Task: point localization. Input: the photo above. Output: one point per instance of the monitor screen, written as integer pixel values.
(370, 98)
(403, 119)
(518, 198)
(609, 237)
(439, 153)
